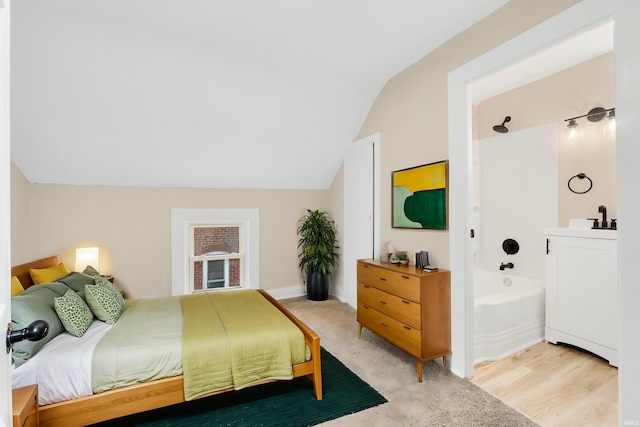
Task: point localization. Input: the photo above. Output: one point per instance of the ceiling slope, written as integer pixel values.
(198, 93)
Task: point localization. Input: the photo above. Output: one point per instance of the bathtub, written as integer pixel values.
(508, 314)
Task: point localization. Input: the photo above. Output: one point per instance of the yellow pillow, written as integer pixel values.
(16, 286)
(49, 274)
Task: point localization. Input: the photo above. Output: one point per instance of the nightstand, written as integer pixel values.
(25, 406)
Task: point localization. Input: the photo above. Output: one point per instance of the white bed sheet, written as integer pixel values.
(62, 368)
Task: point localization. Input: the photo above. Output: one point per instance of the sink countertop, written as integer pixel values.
(583, 232)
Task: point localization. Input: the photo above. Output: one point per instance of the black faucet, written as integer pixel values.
(507, 265)
(603, 209)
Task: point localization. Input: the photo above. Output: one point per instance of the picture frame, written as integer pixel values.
(419, 197)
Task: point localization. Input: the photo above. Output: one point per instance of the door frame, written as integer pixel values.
(6, 410)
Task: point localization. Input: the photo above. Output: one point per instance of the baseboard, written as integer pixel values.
(294, 292)
(289, 292)
(340, 295)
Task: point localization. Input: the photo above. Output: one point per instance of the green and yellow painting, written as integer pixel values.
(420, 197)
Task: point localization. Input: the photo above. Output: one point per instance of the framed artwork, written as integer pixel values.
(420, 197)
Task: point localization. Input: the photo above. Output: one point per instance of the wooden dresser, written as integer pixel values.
(408, 307)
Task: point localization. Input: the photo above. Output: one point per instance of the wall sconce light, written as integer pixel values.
(85, 257)
(594, 115)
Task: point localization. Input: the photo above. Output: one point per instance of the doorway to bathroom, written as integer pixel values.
(526, 180)
(582, 16)
(546, 103)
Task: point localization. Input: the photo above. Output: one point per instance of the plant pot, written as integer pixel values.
(317, 287)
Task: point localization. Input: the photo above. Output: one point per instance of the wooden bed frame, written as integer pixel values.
(155, 394)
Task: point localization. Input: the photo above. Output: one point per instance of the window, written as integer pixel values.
(216, 257)
(214, 249)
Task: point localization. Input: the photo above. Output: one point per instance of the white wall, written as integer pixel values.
(518, 198)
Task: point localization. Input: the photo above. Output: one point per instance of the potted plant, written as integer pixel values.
(399, 257)
(403, 257)
(318, 252)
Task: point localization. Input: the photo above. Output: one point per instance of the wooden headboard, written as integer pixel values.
(22, 271)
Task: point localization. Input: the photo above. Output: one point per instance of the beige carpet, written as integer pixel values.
(442, 399)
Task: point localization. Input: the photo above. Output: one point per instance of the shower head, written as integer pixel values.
(502, 128)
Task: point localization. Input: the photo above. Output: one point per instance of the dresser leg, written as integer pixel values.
(419, 369)
(359, 330)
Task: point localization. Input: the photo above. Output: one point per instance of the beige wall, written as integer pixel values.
(132, 227)
(570, 93)
(411, 110)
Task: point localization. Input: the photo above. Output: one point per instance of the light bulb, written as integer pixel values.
(573, 132)
(612, 119)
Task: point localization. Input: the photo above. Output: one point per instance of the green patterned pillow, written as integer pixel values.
(104, 281)
(74, 314)
(104, 300)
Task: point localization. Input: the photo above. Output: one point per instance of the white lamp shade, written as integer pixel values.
(85, 257)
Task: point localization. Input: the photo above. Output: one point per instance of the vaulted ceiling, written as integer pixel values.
(208, 93)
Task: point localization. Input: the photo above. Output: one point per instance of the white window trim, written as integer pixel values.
(181, 222)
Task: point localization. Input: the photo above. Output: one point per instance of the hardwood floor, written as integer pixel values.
(555, 385)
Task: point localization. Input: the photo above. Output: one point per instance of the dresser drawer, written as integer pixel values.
(402, 285)
(402, 309)
(397, 333)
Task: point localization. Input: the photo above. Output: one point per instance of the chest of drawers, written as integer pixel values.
(408, 307)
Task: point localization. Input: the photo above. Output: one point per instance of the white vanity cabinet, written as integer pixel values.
(582, 290)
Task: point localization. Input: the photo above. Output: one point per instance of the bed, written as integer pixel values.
(156, 393)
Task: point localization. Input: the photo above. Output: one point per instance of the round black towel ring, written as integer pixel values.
(580, 176)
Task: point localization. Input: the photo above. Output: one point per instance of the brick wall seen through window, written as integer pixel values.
(219, 244)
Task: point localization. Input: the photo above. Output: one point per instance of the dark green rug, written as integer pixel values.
(282, 403)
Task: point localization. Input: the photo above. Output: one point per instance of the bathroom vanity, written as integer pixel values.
(582, 290)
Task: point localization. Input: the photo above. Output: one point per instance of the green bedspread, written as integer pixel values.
(234, 339)
(216, 340)
(144, 345)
